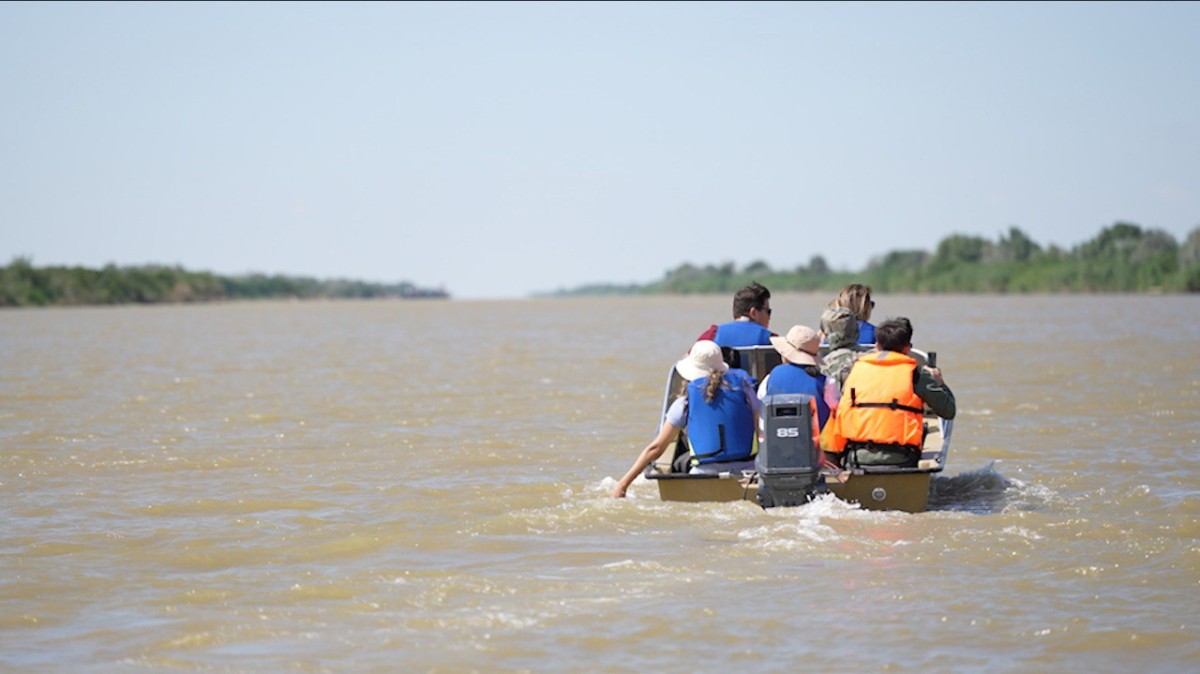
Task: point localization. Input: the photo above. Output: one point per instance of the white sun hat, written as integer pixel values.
(703, 359)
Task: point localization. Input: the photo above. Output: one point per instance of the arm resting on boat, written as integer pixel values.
(648, 455)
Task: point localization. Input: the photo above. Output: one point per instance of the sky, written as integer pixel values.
(498, 150)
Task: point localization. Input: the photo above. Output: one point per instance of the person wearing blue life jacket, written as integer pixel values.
(800, 370)
(857, 298)
(751, 320)
(719, 411)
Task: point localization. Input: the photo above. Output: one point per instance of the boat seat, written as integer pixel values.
(757, 361)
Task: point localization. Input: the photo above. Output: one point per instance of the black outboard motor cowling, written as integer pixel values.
(789, 459)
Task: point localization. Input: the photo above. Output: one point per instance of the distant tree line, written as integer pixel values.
(1121, 258)
(22, 284)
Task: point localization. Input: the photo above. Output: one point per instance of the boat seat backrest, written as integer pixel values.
(756, 360)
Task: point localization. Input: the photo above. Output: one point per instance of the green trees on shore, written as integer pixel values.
(22, 284)
(1121, 258)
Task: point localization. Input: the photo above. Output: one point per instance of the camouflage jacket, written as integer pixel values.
(836, 364)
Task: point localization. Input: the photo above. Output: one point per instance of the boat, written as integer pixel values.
(789, 471)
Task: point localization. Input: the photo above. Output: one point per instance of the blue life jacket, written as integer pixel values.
(722, 430)
(791, 378)
(866, 333)
(742, 333)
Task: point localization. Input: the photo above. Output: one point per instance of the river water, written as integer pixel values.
(392, 486)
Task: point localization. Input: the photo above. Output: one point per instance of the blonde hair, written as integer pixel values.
(857, 298)
(715, 380)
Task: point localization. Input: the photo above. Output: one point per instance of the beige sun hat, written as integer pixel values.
(703, 360)
(800, 346)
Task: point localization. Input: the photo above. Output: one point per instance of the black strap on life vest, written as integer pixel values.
(882, 446)
(894, 405)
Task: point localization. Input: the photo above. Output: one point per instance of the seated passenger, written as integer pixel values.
(751, 318)
(799, 372)
(840, 330)
(719, 411)
(880, 419)
(857, 298)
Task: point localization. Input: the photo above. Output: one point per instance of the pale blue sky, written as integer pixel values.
(502, 149)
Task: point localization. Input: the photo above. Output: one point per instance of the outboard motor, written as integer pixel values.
(789, 452)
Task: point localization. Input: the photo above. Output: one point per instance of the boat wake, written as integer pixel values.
(983, 491)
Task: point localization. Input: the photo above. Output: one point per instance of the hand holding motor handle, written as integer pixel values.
(932, 368)
(936, 374)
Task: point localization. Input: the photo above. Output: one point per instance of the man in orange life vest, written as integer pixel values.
(880, 417)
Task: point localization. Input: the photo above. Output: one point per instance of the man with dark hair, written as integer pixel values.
(751, 318)
(894, 335)
(881, 416)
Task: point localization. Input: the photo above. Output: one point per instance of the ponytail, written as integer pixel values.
(714, 384)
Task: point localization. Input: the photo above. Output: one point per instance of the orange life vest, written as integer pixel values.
(878, 404)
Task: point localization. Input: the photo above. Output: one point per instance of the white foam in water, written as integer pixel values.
(637, 565)
(1023, 533)
(806, 526)
(795, 535)
(504, 619)
(638, 487)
